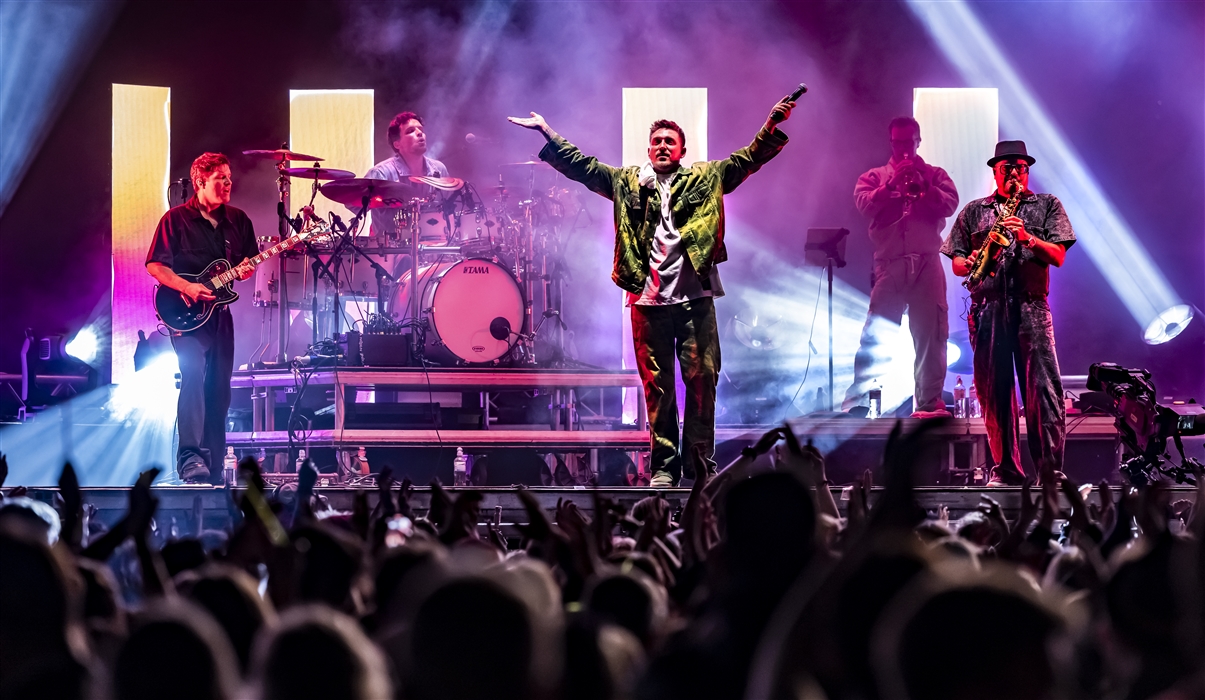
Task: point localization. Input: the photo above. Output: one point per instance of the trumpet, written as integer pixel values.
(994, 242)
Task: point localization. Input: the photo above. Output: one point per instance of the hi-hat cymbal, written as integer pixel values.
(380, 193)
(320, 173)
(280, 154)
(447, 184)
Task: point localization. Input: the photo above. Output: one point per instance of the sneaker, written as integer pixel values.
(662, 480)
(939, 413)
(999, 480)
(194, 472)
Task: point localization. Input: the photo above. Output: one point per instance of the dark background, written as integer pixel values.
(1124, 81)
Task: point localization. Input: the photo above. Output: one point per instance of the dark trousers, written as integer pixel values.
(916, 282)
(688, 332)
(206, 358)
(1018, 334)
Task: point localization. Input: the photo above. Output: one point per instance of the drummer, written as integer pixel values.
(408, 139)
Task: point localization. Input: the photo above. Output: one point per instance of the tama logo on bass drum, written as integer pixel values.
(475, 270)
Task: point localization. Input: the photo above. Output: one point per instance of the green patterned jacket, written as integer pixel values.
(696, 195)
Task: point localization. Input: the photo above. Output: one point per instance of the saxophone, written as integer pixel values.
(995, 241)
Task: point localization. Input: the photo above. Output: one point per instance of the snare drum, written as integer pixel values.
(434, 225)
(458, 302)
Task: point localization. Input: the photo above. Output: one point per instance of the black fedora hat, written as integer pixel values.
(1010, 149)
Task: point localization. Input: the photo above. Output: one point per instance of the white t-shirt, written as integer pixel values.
(672, 278)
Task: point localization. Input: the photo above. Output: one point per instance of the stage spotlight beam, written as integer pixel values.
(84, 346)
(1169, 324)
(1106, 237)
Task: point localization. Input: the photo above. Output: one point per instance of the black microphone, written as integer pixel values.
(777, 115)
(500, 328)
(337, 223)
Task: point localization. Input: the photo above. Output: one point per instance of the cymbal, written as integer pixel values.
(280, 154)
(381, 193)
(528, 162)
(320, 173)
(447, 184)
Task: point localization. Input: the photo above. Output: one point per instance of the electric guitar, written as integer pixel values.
(182, 315)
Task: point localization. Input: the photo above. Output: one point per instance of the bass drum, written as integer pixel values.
(457, 303)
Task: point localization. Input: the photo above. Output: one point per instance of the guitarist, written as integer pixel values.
(190, 237)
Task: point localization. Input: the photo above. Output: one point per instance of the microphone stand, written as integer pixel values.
(381, 273)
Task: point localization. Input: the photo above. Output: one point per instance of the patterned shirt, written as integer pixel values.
(1021, 274)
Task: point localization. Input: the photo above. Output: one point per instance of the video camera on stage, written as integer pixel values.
(1145, 425)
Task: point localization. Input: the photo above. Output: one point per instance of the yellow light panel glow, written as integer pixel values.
(337, 126)
(141, 140)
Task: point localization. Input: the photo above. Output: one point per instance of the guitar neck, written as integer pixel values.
(230, 275)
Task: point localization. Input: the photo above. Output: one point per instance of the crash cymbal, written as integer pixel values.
(527, 162)
(447, 184)
(280, 154)
(320, 173)
(381, 193)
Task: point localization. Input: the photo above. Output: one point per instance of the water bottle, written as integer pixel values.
(973, 408)
(230, 467)
(362, 461)
(876, 402)
(960, 398)
(460, 468)
(300, 461)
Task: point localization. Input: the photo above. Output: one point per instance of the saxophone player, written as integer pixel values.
(1009, 320)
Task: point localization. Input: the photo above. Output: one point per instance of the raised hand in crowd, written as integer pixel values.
(72, 511)
(462, 518)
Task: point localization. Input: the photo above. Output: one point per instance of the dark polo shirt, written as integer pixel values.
(186, 242)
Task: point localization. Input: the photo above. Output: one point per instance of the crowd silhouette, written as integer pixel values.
(761, 587)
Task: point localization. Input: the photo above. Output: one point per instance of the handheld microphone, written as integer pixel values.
(777, 115)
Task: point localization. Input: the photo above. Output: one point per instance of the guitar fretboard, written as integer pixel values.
(230, 275)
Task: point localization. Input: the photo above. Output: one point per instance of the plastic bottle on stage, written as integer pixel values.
(230, 467)
(960, 398)
(460, 468)
(362, 461)
(973, 409)
(300, 461)
(876, 402)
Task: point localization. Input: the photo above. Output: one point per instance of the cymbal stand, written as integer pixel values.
(284, 230)
(553, 291)
(415, 347)
(524, 262)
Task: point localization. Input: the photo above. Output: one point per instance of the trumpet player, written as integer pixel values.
(908, 202)
(1009, 320)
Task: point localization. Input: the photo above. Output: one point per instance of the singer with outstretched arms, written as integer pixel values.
(1005, 245)
(669, 240)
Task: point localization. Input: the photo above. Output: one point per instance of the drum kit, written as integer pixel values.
(426, 257)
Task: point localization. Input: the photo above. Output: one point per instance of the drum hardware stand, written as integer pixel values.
(284, 229)
(416, 350)
(347, 234)
(319, 269)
